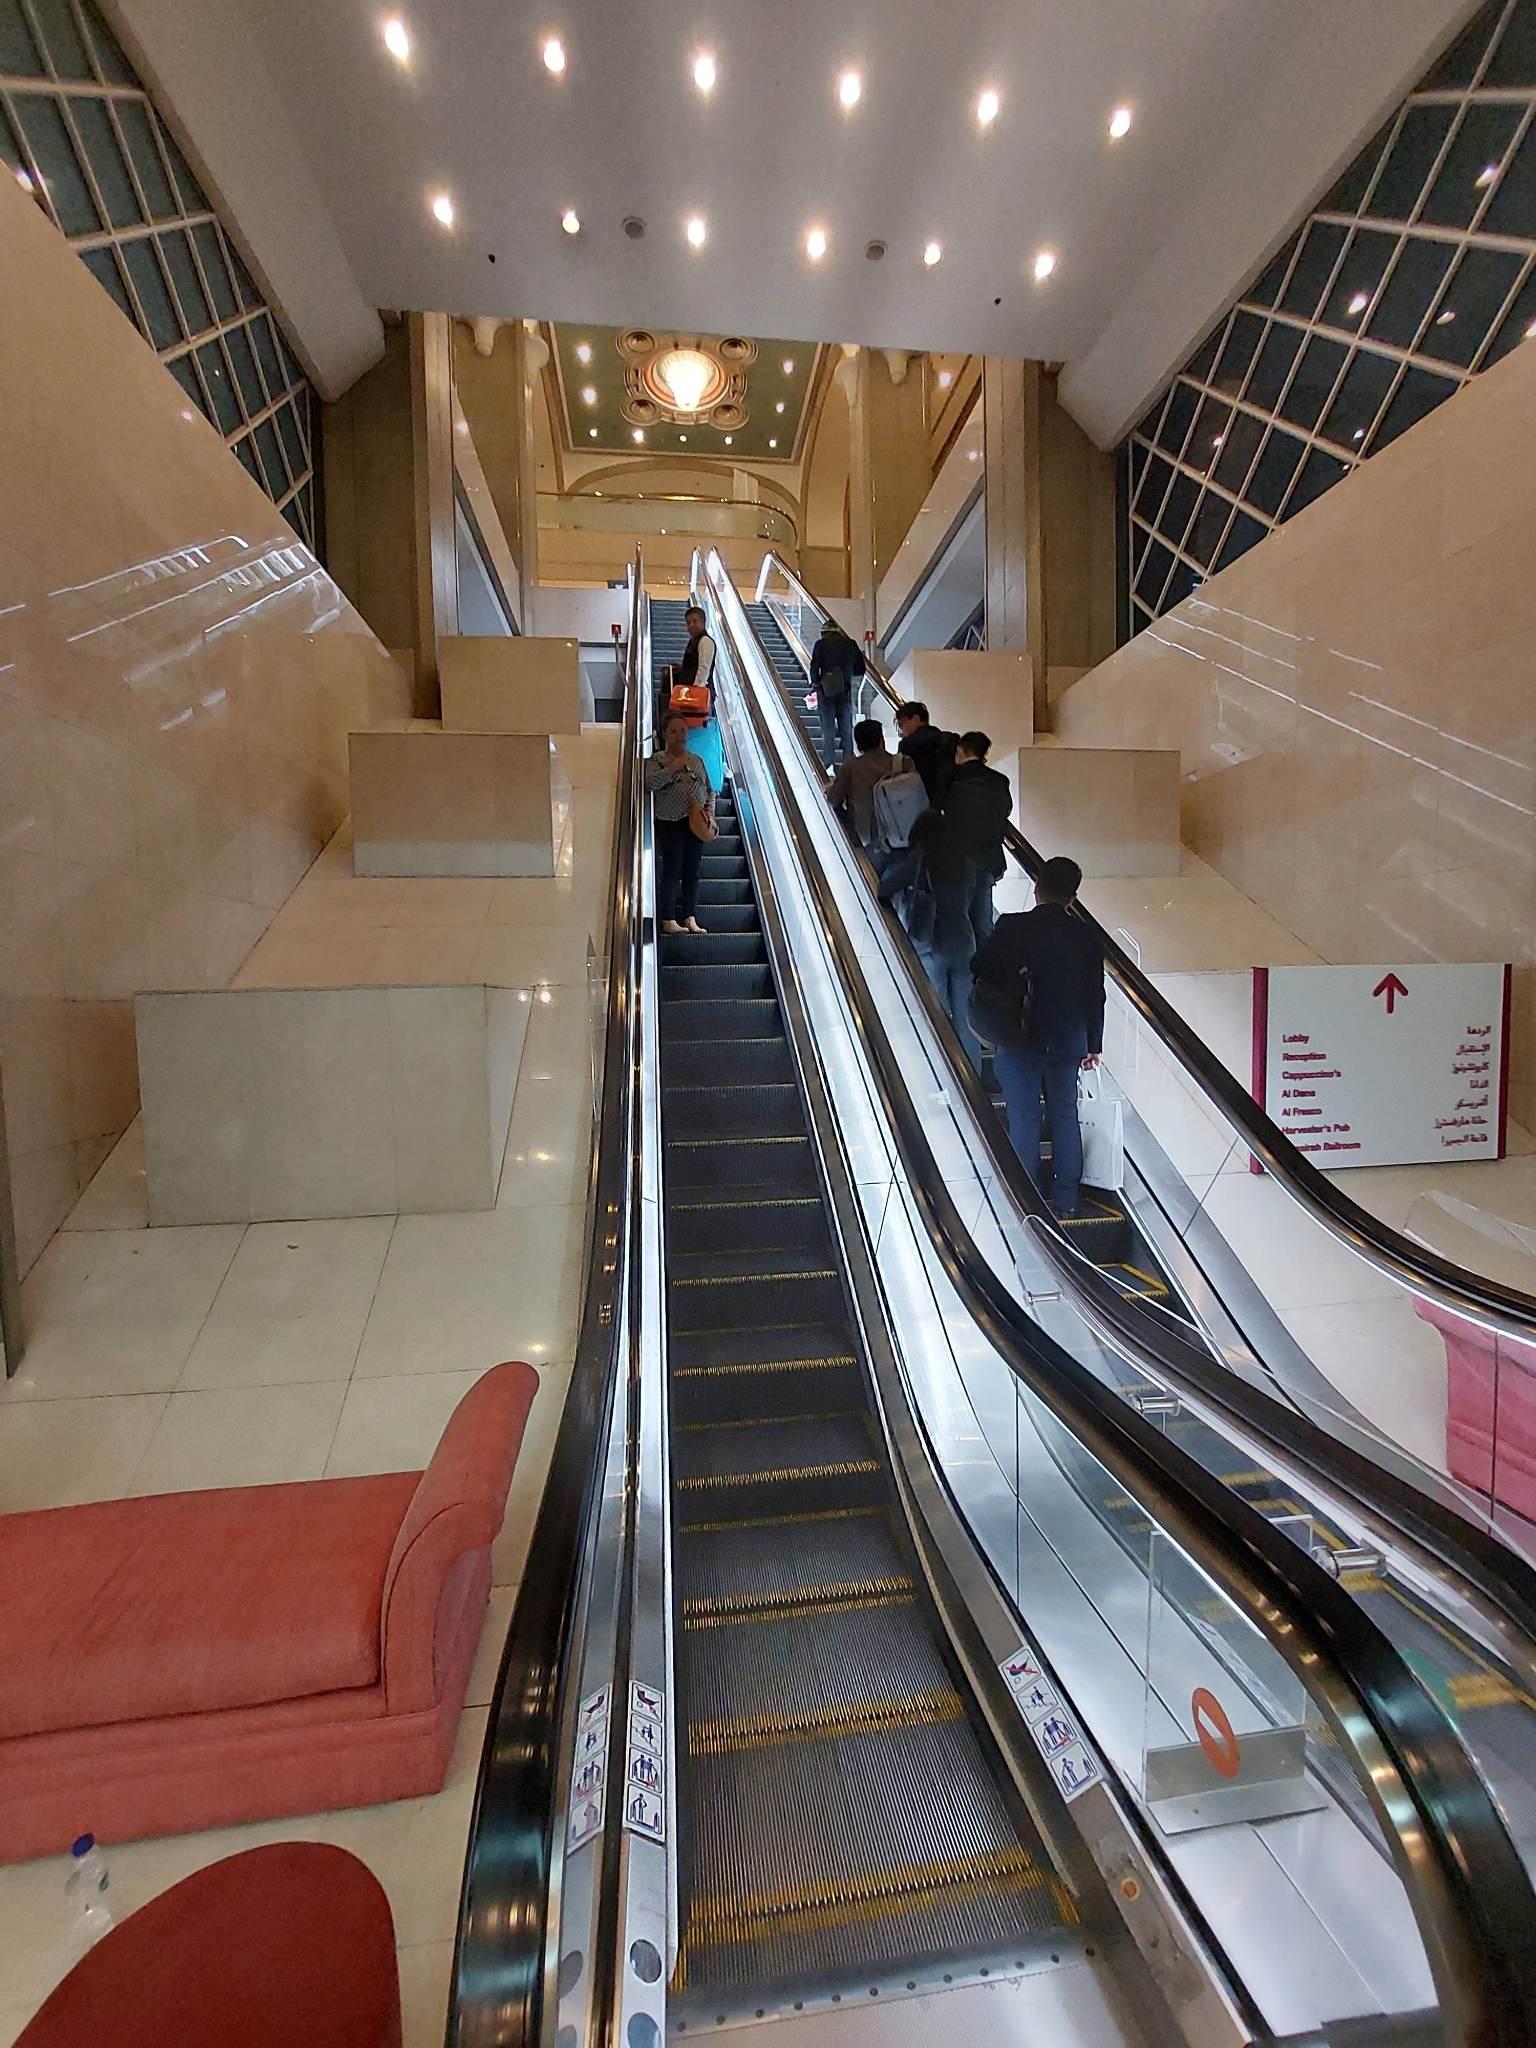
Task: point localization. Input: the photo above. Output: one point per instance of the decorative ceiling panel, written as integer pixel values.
(629, 391)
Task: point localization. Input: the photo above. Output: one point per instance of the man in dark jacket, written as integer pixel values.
(1065, 965)
(837, 663)
(929, 748)
(978, 804)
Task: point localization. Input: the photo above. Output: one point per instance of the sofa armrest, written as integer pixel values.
(457, 1508)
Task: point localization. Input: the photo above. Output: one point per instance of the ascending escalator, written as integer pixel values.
(840, 1813)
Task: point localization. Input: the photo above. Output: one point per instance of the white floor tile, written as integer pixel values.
(117, 1198)
(442, 900)
(518, 956)
(416, 1847)
(56, 1453)
(420, 956)
(426, 1975)
(293, 1304)
(522, 900)
(393, 1425)
(241, 1436)
(330, 899)
(493, 1637)
(461, 1292)
(313, 956)
(117, 1312)
(559, 1045)
(549, 1145)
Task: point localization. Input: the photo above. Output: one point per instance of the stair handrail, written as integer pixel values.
(1491, 1304)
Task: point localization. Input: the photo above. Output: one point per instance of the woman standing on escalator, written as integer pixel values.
(679, 785)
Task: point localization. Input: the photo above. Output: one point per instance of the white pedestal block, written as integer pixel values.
(1115, 810)
(262, 1104)
(971, 690)
(518, 685)
(429, 802)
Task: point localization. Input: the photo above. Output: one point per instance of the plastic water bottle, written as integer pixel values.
(86, 1890)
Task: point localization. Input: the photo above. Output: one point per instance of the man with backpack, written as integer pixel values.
(929, 748)
(837, 664)
(852, 789)
(978, 804)
(1038, 999)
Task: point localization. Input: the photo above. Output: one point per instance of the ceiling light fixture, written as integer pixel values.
(1445, 319)
(932, 253)
(583, 351)
(687, 374)
(729, 439)
(1486, 176)
(946, 378)
(816, 244)
(975, 455)
(397, 39)
(772, 443)
(24, 180)
(589, 394)
(789, 366)
(704, 72)
(987, 107)
(591, 433)
(638, 434)
(850, 88)
(461, 426)
(684, 439)
(1359, 302)
(1359, 434)
(1119, 123)
(779, 407)
(1045, 263)
(697, 231)
(442, 209)
(570, 220)
(1530, 332)
(553, 54)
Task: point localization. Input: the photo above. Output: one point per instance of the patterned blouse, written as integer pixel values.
(675, 785)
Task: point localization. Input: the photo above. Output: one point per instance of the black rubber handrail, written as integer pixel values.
(501, 1941)
(1470, 1892)
(1500, 1579)
(1413, 1265)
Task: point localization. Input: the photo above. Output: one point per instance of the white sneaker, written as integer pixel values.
(671, 927)
(699, 931)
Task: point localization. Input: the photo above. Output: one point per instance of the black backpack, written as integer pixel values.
(1000, 1016)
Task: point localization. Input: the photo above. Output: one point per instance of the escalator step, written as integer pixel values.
(719, 1350)
(1100, 1235)
(718, 948)
(729, 889)
(775, 1223)
(1133, 1280)
(738, 1471)
(723, 982)
(717, 1110)
(762, 1566)
(722, 867)
(727, 1062)
(785, 1162)
(720, 918)
(796, 1292)
(854, 1853)
(719, 1017)
(754, 1393)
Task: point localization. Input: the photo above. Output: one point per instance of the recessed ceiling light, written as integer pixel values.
(1359, 302)
(946, 378)
(589, 394)
(553, 54)
(933, 253)
(816, 244)
(24, 180)
(1530, 332)
(789, 366)
(975, 455)
(986, 108)
(684, 439)
(570, 220)
(461, 426)
(583, 351)
(1486, 176)
(704, 72)
(850, 88)
(780, 406)
(1359, 434)
(773, 444)
(442, 209)
(697, 231)
(397, 39)
(638, 434)
(729, 439)
(1119, 123)
(1445, 319)
(591, 433)
(1217, 439)
(1045, 263)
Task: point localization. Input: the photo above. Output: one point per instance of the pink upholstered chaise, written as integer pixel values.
(195, 1659)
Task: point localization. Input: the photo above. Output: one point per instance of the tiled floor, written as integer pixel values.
(231, 1355)
(1198, 936)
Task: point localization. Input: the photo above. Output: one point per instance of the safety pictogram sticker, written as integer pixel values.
(1056, 1734)
(645, 1790)
(589, 1771)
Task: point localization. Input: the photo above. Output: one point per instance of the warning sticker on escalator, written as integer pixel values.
(1056, 1734)
(589, 1771)
(645, 1790)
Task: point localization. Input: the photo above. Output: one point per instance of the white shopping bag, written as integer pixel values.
(1099, 1119)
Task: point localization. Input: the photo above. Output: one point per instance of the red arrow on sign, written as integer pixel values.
(1390, 987)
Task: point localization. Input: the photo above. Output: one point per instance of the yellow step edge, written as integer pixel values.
(779, 1475)
(794, 1607)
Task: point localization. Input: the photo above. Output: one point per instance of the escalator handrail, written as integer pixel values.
(1501, 1579)
(1490, 1303)
(1470, 1892)
(500, 1950)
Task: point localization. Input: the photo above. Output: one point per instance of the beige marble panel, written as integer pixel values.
(178, 675)
(1115, 810)
(519, 684)
(1354, 709)
(967, 689)
(428, 802)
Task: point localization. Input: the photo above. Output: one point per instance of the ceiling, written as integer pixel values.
(770, 153)
(775, 399)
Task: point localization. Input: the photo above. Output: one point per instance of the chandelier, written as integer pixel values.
(687, 373)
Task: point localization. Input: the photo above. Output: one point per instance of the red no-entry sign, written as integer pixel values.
(1215, 1732)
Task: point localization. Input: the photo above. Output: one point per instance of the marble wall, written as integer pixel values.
(1355, 704)
(177, 676)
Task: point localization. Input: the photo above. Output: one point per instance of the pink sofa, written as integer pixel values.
(195, 1659)
(1490, 1409)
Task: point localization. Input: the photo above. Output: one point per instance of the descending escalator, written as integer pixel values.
(842, 1813)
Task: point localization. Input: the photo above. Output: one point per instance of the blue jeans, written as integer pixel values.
(979, 907)
(836, 719)
(1022, 1076)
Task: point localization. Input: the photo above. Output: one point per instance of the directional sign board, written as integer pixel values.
(1386, 1065)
